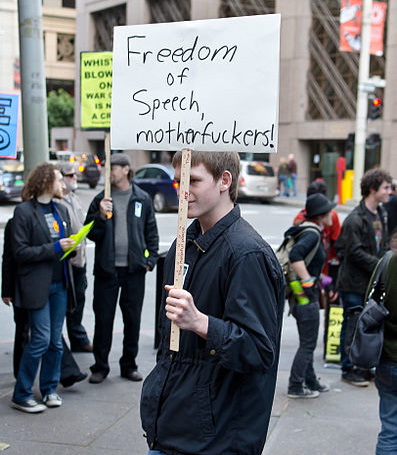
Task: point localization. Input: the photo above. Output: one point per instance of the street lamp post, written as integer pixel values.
(33, 84)
(362, 99)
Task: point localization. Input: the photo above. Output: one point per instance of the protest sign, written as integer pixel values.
(95, 89)
(208, 85)
(8, 125)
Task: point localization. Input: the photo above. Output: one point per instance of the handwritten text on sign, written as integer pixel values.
(207, 85)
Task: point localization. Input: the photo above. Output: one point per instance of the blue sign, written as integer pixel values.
(8, 125)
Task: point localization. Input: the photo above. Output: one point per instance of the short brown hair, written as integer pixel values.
(373, 179)
(216, 163)
(40, 180)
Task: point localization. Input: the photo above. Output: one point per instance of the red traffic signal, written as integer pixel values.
(375, 108)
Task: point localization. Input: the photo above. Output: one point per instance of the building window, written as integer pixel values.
(333, 75)
(232, 8)
(169, 11)
(104, 21)
(69, 3)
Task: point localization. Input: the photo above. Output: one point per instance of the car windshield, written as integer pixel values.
(9, 165)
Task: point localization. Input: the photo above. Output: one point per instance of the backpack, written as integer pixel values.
(282, 254)
(365, 325)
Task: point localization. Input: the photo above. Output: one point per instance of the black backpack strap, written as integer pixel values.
(378, 277)
(311, 254)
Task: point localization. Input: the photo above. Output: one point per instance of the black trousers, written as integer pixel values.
(131, 287)
(69, 365)
(76, 331)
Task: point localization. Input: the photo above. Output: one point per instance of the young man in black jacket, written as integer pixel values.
(126, 247)
(363, 240)
(215, 395)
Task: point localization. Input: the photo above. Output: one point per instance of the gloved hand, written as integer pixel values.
(326, 281)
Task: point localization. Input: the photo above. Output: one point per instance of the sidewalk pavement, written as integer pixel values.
(104, 419)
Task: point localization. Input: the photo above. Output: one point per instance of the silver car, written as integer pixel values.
(257, 181)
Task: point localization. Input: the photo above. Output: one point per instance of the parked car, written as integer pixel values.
(88, 166)
(257, 181)
(158, 181)
(11, 178)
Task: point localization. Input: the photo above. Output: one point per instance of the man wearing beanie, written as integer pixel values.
(126, 247)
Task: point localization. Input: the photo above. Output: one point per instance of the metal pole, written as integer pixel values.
(33, 84)
(362, 100)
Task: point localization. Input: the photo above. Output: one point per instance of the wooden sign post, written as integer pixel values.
(181, 237)
(107, 170)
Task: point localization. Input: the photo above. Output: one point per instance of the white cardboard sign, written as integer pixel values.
(209, 85)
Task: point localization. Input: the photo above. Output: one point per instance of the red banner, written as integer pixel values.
(350, 26)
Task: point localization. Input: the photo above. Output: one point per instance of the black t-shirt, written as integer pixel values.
(376, 224)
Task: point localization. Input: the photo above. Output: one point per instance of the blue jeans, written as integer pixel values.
(386, 383)
(308, 322)
(349, 301)
(293, 180)
(282, 179)
(45, 345)
(155, 452)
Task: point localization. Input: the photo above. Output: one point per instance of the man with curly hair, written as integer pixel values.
(363, 240)
(40, 236)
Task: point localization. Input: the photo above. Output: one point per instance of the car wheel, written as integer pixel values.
(92, 184)
(159, 202)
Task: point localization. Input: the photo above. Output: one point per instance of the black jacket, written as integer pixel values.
(8, 264)
(142, 235)
(356, 248)
(34, 254)
(215, 396)
(391, 208)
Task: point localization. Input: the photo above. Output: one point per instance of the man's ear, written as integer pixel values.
(226, 180)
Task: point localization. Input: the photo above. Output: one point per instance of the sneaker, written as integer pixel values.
(316, 385)
(354, 378)
(31, 406)
(303, 393)
(52, 400)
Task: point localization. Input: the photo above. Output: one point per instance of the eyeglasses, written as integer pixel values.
(69, 175)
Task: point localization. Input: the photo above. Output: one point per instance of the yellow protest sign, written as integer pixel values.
(332, 351)
(95, 89)
(79, 237)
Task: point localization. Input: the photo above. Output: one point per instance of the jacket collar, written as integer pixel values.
(204, 241)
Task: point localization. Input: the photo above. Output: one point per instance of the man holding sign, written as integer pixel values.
(214, 396)
(126, 246)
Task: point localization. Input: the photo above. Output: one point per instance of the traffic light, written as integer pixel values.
(375, 108)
